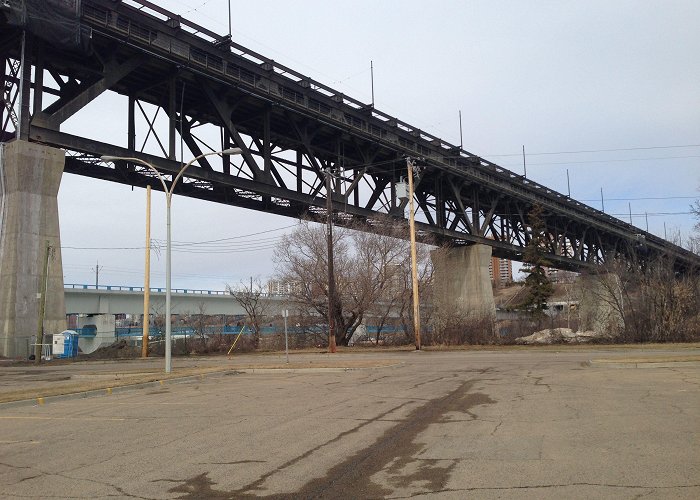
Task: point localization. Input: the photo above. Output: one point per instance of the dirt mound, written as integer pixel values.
(118, 350)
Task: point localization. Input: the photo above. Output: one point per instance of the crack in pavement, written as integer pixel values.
(15, 466)
(43, 474)
(438, 379)
(547, 486)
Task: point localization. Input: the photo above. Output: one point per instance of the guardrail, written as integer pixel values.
(140, 289)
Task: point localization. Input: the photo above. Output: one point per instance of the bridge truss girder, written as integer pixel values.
(287, 147)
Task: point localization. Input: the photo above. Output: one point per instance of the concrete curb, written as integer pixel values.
(108, 391)
(644, 364)
(312, 370)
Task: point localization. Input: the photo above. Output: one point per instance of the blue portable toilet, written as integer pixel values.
(65, 344)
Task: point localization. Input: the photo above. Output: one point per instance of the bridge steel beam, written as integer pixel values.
(215, 92)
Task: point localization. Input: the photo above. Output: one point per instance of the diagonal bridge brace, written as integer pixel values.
(66, 106)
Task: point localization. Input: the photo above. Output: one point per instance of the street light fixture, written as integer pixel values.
(168, 201)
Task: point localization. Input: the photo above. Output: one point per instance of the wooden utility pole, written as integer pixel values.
(147, 279)
(38, 346)
(414, 264)
(331, 272)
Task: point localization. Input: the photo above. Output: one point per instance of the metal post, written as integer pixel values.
(414, 265)
(630, 207)
(331, 272)
(461, 142)
(25, 77)
(97, 275)
(646, 216)
(371, 69)
(524, 166)
(38, 346)
(168, 201)
(168, 314)
(568, 184)
(229, 19)
(286, 338)
(602, 200)
(147, 278)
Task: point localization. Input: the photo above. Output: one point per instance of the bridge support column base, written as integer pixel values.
(600, 304)
(30, 175)
(461, 285)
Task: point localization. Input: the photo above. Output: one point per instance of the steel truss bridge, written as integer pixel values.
(182, 83)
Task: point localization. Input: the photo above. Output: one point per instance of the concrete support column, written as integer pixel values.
(601, 305)
(30, 175)
(461, 283)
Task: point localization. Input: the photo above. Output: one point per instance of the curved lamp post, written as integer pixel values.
(168, 201)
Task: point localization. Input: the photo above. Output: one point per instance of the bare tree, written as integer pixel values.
(645, 303)
(694, 240)
(367, 267)
(200, 323)
(252, 298)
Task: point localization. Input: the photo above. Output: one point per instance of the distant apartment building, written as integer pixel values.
(277, 287)
(560, 276)
(500, 271)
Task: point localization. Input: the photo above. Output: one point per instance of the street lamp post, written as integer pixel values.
(168, 203)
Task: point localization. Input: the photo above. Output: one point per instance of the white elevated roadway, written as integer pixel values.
(109, 299)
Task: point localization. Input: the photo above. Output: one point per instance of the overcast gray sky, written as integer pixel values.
(620, 79)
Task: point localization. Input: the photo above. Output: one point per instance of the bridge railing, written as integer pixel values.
(140, 289)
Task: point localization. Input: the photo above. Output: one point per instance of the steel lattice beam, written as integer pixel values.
(290, 129)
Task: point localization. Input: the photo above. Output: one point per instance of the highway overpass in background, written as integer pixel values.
(108, 299)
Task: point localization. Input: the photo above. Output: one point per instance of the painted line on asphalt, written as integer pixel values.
(39, 401)
(106, 391)
(85, 419)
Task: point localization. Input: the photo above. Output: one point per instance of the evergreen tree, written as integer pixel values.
(538, 288)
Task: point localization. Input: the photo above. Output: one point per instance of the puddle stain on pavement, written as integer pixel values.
(394, 453)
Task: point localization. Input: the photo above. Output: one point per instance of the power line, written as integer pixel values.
(648, 198)
(234, 237)
(642, 148)
(235, 246)
(608, 161)
(101, 248)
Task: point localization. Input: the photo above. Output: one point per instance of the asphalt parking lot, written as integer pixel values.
(489, 424)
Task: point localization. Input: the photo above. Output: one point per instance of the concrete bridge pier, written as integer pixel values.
(461, 282)
(601, 304)
(30, 175)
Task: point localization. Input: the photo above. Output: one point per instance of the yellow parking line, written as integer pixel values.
(31, 417)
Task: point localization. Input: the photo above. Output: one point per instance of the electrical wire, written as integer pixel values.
(596, 150)
(235, 246)
(231, 238)
(620, 160)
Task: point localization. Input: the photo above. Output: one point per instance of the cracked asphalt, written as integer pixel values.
(487, 424)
